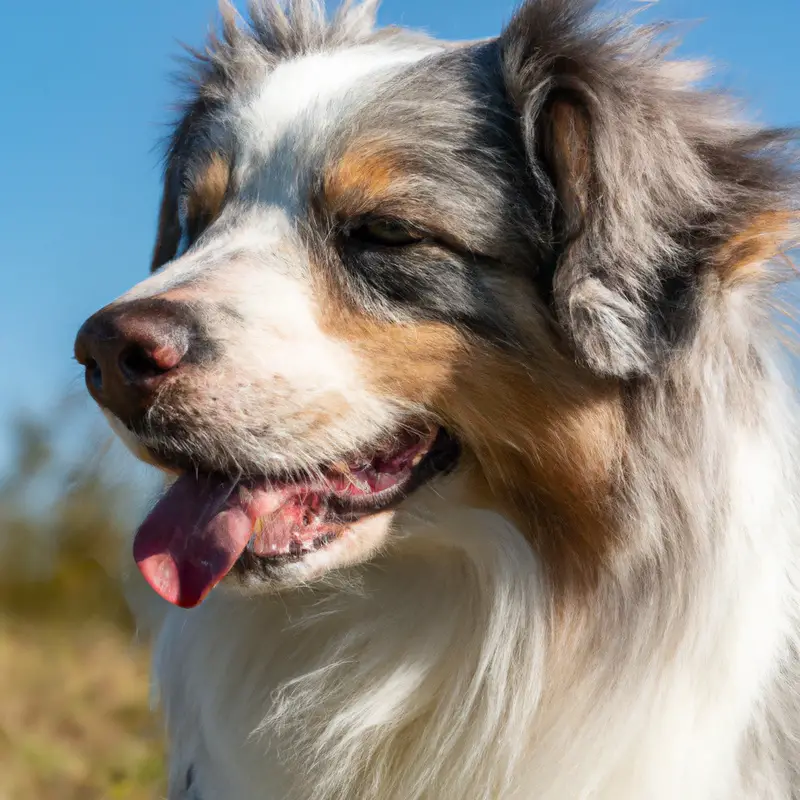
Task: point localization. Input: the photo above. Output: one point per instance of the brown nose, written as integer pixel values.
(129, 350)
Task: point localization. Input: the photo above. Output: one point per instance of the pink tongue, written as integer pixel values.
(192, 538)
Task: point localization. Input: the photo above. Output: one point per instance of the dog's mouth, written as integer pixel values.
(206, 523)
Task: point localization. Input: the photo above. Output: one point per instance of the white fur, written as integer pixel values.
(252, 262)
(435, 672)
(439, 670)
(301, 102)
(252, 269)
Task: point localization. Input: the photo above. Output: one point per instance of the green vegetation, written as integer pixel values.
(75, 722)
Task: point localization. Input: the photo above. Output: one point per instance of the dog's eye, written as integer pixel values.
(386, 233)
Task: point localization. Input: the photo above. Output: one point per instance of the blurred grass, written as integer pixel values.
(75, 723)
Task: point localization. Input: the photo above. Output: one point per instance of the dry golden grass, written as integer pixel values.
(74, 717)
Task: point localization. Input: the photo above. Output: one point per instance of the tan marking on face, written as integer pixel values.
(204, 203)
(378, 177)
(549, 445)
(209, 190)
(168, 236)
(769, 235)
(545, 440)
(363, 176)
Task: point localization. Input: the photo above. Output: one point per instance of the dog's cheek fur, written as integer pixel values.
(539, 442)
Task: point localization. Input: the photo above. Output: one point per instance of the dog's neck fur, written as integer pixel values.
(450, 668)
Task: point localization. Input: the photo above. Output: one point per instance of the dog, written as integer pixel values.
(483, 465)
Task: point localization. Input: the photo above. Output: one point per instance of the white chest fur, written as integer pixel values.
(426, 675)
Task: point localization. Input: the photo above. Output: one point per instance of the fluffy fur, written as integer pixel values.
(602, 601)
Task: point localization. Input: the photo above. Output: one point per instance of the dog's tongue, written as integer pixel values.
(194, 536)
(202, 525)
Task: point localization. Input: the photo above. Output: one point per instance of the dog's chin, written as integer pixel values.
(262, 533)
(357, 543)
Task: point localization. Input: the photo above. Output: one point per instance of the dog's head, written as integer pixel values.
(382, 259)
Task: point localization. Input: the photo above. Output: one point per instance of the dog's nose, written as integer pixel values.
(128, 351)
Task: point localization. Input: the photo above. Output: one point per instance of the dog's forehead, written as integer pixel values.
(373, 125)
(305, 95)
(293, 111)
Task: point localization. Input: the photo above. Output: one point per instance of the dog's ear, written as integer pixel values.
(648, 178)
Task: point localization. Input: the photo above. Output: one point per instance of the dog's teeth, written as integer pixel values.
(359, 483)
(258, 528)
(417, 458)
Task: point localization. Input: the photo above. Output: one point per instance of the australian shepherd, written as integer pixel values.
(463, 363)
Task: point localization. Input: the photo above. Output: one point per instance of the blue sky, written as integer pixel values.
(86, 97)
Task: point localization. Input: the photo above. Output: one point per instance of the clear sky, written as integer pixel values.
(86, 97)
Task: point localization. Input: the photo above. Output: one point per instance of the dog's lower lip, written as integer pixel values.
(320, 511)
(208, 524)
